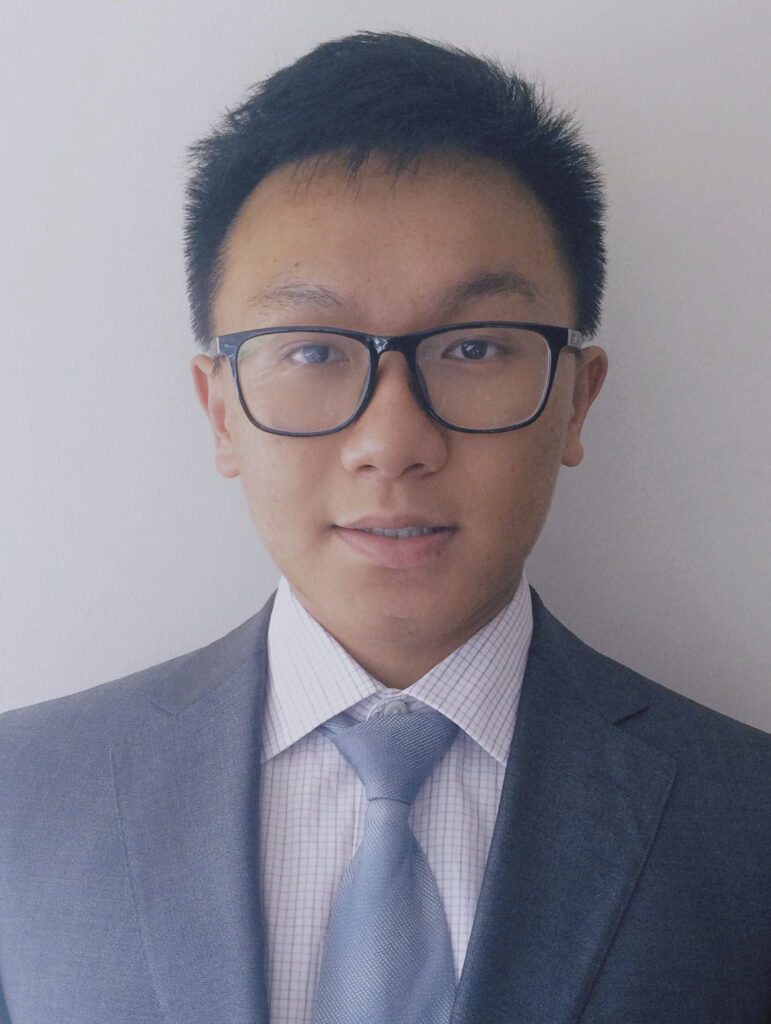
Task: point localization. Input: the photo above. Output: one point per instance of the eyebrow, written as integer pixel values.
(305, 294)
(289, 294)
(506, 281)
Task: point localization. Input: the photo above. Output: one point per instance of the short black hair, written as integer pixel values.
(400, 97)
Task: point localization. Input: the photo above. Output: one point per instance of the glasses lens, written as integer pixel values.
(302, 381)
(484, 378)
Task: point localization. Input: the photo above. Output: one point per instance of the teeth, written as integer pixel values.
(408, 531)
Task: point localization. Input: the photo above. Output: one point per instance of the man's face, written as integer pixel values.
(390, 255)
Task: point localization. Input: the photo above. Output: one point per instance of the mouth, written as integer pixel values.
(405, 543)
(401, 534)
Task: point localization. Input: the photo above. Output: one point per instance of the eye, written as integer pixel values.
(314, 354)
(473, 350)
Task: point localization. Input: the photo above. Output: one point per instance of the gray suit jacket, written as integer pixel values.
(628, 881)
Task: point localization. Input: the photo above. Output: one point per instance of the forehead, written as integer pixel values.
(442, 238)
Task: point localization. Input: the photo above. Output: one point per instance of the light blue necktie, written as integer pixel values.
(387, 955)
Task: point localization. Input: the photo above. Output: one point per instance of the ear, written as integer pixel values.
(210, 381)
(590, 373)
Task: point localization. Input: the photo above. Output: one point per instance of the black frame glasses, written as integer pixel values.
(557, 339)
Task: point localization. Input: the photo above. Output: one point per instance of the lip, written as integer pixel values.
(396, 552)
(394, 522)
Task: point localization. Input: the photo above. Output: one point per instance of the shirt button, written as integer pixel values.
(395, 707)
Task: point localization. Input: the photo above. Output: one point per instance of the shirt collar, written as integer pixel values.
(312, 678)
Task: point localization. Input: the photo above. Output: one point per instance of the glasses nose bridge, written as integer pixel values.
(382, 343)
(405, 345)
(402, 343)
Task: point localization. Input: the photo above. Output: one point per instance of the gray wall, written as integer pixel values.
(120, 546)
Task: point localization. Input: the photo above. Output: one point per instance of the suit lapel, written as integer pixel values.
(579, 809)
(187, 791)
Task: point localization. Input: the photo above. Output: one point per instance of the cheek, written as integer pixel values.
(282, 480)
(511, 484)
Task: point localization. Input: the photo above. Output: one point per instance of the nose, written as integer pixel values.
(394, 436)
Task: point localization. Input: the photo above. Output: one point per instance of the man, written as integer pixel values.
(396, 263)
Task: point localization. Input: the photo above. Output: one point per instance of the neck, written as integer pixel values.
(400, 655)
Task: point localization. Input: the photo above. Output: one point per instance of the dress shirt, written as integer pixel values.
(313, 804)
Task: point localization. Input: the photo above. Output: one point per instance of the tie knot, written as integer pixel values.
(393, 754)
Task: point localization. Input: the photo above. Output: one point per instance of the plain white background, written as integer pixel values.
(121, 547)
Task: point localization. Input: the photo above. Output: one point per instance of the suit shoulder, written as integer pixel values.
(722, 785)
(690, 723)
(89, 720)
(667, 719)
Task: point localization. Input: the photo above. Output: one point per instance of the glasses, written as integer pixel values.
(484, 377)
